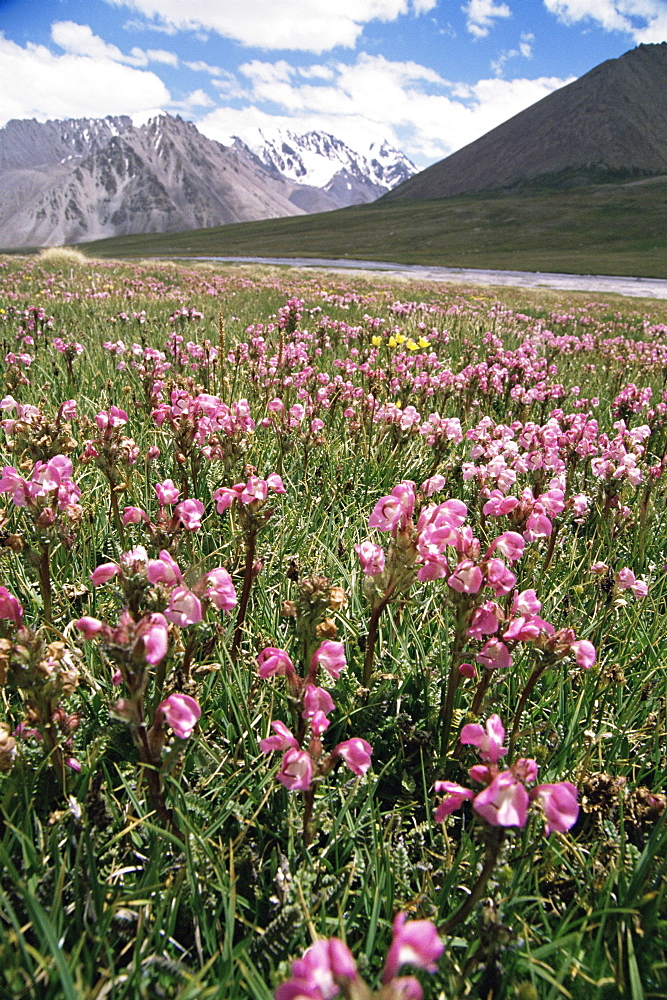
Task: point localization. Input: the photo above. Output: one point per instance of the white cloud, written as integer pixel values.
(481, 14)
(306, 25)
(316, 72)
(197, 99)
(159, 56)
(526, 44)
(84, 82)
(525, 49)
(79, 40)
(411, 105)
(203, 67)
(643, 20)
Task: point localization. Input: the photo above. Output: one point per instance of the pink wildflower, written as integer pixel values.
(499, 577)
(296, 770)
(331, 656)
(415, 942)
(10, 606)
(220, 589)
(560, 805)
(392, 513)
(184, 608)
(89, 626)
(455, 796)
(153, 630)
(104, 573)
(489, 741)
(466, 578)
(371, 558)
(356, 753)
(626, 580)
(190, 513)
(316, 699)
(275, 483)
(164, 570)
(167, 492)
(504, 802)
(510, 544)
(273, 662)
(584, 653)
(134, 515)
(283, 740)
(494, 655)
(181, 712)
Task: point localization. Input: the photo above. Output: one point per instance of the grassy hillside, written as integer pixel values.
(597, 229)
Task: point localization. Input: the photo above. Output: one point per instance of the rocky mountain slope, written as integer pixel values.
(610, 124)
(87, 179)
(115, 179)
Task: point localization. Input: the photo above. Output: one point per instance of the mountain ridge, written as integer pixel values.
(84, 179)
(321, 160)
(611, 121)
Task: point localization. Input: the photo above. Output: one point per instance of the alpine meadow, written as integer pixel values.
(333, 620)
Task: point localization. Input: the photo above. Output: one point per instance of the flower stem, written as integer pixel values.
(496, 835)
(371, 638)
(115, 514)
(251, 540)
(456, 658)
(44, 570)
(308, 829)
(525, 695)
(153, 782)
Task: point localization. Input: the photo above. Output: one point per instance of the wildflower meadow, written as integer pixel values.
(333, 630)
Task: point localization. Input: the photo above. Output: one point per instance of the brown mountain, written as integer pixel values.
(610, 124)
(64, 182)
(85, 179)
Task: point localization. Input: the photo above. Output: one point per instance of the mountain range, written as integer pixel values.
(608, 125)
(320, 160)
(87, 179)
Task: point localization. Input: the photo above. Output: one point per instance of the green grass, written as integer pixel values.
(602, 229)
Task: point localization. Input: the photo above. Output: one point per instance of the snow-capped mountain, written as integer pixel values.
(322, 161)
(86, 179)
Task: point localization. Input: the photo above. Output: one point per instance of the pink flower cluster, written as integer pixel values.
(145, 641)
(185, 604)
(252, 493)
(505, 799)
(204, 422)
(111, 449)
(187, 514)
(444, 546)
(50, 487)
(619, 455)
(531, 515)
(301, 765)
(67, 347)
(522, 623)
(329, 963)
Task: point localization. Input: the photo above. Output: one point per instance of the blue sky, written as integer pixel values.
(428, 75)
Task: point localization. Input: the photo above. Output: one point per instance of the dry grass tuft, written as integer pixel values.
(63, 256)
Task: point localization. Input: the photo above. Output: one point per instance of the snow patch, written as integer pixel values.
(144, 117)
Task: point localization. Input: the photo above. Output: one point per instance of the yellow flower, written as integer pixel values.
(376, 341)
(423, 342)
(400, 339)
(392, 342)
(412, 346)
